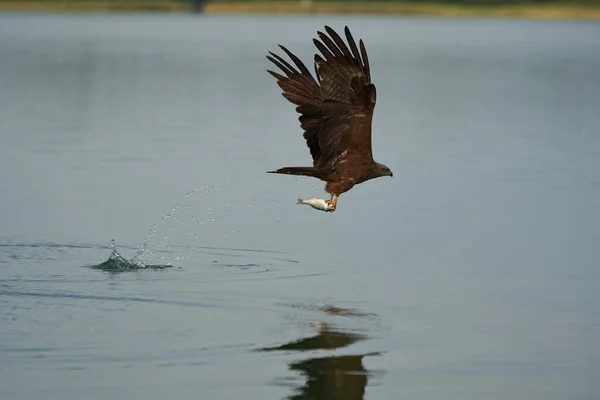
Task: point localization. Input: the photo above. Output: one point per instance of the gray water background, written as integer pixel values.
(473, 273)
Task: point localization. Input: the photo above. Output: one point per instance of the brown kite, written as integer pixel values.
(336, 111)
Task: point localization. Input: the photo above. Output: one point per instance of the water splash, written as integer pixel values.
(117, 263)
(177, 235)
(207, 217)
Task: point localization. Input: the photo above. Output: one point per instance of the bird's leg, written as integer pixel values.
(332, 202)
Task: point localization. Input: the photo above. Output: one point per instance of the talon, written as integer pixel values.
(332, 203)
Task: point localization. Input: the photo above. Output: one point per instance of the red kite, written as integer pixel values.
(336, 111)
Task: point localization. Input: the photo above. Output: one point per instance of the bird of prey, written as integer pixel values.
(336, 111)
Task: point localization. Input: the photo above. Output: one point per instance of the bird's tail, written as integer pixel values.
(306, 171)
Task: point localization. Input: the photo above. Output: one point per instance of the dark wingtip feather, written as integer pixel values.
(324, 50)
(282, 64)
(276, 75)
(339, 42)
(282, 47)
(363, 52)
(331, 45)
(296, 61)
(352, 44)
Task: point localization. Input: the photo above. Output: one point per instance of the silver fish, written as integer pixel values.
(318, 204)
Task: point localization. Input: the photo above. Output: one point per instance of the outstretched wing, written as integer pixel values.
(337, 110)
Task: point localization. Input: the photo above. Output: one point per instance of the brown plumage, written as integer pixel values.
(336, 111)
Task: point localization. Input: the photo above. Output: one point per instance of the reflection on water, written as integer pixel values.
(332, 378)
(329, 377)
(332, 310)
(325, 339)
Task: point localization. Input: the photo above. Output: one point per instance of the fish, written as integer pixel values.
(318, 204)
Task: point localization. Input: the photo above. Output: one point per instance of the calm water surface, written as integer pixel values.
(472, 274)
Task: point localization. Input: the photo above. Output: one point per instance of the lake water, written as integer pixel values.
(473, 273)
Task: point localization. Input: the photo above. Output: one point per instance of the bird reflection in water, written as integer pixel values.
(332, 377)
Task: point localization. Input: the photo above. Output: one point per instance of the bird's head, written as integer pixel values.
(383, 170)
